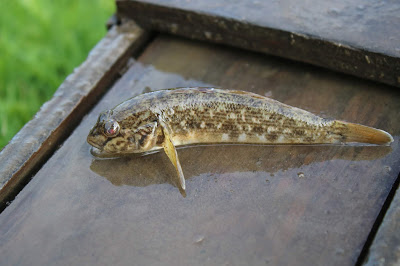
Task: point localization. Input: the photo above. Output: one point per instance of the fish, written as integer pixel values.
(165, 119)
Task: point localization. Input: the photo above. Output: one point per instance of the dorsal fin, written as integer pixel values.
(246, 93)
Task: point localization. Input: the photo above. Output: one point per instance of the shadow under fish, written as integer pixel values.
(142, 171)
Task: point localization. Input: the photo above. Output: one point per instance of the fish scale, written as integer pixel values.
(230, 121)
(184, 116)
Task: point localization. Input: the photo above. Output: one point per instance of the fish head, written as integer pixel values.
(118, 136)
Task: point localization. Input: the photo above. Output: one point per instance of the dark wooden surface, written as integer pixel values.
(358, 37)
(57, 118)
(386, 245)
(245, 205)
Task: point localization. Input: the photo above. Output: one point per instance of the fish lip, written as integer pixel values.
(94, 145)
(98, 153)
(90, 139)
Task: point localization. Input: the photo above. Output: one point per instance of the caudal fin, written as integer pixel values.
(364, 134)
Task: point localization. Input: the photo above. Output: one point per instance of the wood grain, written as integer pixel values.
(245, 205)
(355, 37)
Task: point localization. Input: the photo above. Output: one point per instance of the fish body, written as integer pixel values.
(184, 116)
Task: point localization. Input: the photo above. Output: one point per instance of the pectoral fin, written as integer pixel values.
(170, 150)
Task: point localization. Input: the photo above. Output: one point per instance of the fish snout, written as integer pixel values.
(95, 138)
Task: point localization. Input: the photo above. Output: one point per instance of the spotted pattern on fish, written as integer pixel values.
(208, 115)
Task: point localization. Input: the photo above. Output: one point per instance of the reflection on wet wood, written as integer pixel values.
(38, 139)
(355, 37)
(141, 171)
(245, 205)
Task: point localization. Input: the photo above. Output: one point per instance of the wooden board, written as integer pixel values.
(358, 37)
(57, 118)
(245, 205)
(386, 245)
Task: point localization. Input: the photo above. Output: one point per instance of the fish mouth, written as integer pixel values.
(93, 143)
(98, 153)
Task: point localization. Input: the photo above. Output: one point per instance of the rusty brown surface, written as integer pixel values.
(245, 205)
(360, 38)
(57, 118)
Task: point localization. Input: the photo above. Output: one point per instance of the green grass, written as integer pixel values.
(41, 42)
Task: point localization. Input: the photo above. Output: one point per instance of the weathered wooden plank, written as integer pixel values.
(245, 205)
(57, 118)
(386, 245)
(359, 37)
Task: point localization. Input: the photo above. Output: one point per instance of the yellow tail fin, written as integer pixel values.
(364, 134)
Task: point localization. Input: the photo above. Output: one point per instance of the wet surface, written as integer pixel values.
(359, 37)
(130, 168)
(363, 24)
(245, 205)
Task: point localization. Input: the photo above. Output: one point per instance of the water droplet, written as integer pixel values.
(300, 175)
(268, 94)
(339, 251)
(198, 239)
(360, 7)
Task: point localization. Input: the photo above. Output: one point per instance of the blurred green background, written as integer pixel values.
(41, 42)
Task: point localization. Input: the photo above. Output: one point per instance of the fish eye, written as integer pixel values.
(111, 128)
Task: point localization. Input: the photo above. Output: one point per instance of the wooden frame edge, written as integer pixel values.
(58, 117)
